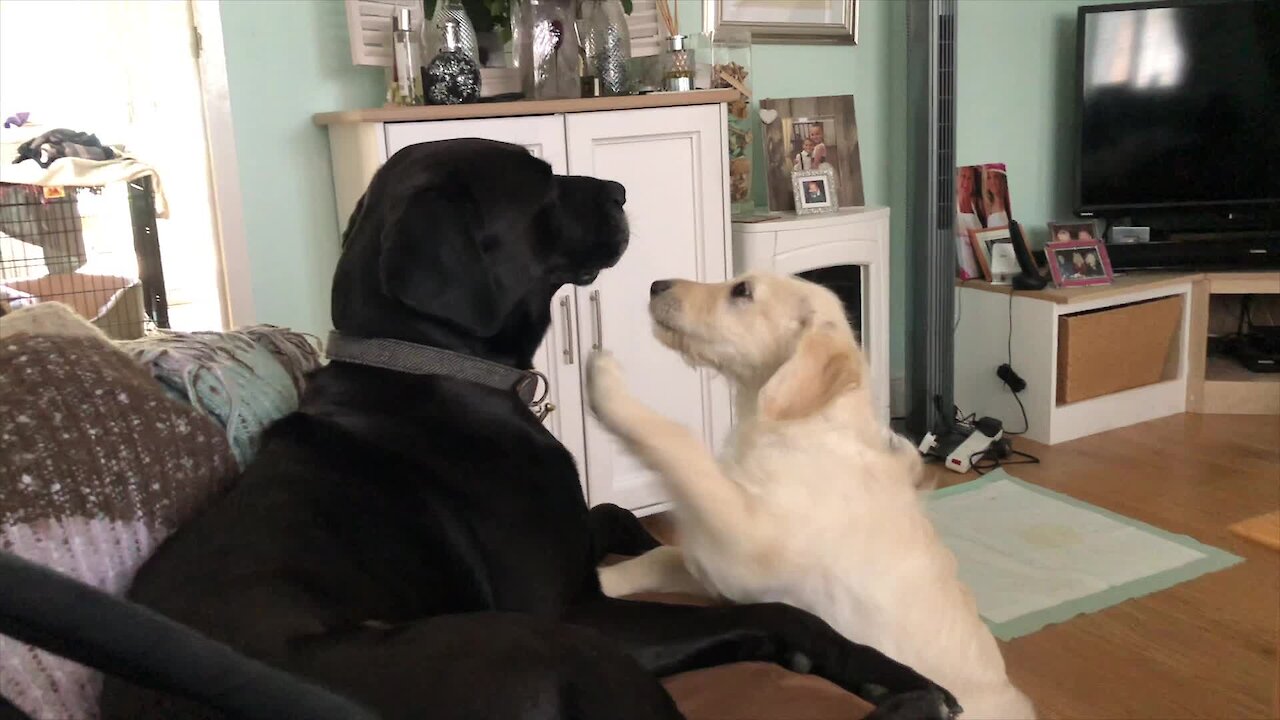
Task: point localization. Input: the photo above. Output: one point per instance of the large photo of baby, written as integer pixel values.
(982, 201)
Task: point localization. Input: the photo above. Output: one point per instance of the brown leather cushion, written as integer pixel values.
(753, 690)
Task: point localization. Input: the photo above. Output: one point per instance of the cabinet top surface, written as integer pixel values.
(792, 221)
(1123, 284)
(419, 113)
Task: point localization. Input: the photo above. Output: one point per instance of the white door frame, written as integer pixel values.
(234, 277)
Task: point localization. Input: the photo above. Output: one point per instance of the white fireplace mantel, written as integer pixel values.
(856, 236)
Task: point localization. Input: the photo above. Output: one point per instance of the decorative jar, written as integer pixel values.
(678, 64)
(545, 48)
(731, 68)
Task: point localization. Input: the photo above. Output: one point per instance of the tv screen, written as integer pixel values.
(1178, 105)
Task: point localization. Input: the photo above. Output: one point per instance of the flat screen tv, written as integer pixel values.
(1179, 106)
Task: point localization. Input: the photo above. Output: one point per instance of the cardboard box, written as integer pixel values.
(1106, 351)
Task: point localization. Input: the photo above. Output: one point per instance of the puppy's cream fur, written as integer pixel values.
(814, 502)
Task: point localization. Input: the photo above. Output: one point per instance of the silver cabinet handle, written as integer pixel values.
(568, 330)
(597, 337)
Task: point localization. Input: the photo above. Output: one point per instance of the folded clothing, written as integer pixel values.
(60, 143)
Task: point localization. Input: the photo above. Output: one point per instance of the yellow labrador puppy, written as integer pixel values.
(814, 502)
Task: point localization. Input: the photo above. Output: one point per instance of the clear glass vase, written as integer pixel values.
(731, 68)
(433, 30)
(544, 43)
(606, 41)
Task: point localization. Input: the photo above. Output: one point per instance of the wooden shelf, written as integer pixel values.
(1243, 283)
(1123, 285)
(396, 113)
(1231, 389)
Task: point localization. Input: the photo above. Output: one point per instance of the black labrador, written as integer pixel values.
(420, 543)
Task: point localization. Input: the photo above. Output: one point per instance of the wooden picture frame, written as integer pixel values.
(1067, 272)
(791, 125)
(830, 22)
(998, 270)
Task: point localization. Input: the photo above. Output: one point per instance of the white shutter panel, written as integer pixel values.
(646, 28)
(369, 28)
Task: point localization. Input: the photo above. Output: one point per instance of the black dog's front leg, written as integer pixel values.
(668, 639)
(617, 531)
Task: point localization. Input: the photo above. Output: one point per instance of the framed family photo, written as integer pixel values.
(786, 21)
(993, 249)
(815, 191)
(802, 134)
(1082, 231)
(1078, 263)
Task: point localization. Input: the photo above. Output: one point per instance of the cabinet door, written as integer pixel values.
(672, 163)
(543, 135)
(557, 357)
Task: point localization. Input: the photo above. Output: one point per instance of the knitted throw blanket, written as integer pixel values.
(244, 380)
(98, 465)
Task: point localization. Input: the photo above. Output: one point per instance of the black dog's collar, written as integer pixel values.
(407, 357)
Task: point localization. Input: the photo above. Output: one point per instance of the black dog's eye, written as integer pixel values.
(741, 290)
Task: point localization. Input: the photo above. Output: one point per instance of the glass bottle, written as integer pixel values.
(677, 64)
(406, 85)
(452, 77)
(433, 30)
(607, 43)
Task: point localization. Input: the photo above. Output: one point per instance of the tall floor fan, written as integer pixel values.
(931, 93)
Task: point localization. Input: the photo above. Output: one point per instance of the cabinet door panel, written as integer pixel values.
(671, 161)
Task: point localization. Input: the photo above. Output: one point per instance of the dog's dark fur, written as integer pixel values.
(420, 544)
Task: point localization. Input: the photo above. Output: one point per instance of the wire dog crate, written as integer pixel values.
(95, 249)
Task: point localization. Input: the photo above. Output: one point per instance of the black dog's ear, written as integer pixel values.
(434, 261)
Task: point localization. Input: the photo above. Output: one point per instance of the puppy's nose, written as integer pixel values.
(659, 286)
(616, 192)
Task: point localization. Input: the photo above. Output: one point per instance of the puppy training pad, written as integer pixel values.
(1034, 557)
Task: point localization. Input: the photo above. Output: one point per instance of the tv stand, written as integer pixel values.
(1216, 383)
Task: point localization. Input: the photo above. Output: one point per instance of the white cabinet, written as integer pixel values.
(672, 162)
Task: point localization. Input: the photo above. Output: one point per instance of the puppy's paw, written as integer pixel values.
(606, 386)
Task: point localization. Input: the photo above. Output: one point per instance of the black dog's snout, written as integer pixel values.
(617, 192)
(659, 286)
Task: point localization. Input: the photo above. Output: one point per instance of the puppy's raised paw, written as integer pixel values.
(606, 386)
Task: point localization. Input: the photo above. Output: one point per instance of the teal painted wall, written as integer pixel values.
(1015, 94)
(287, 59)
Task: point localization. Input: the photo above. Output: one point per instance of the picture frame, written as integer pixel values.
(1074, 231)
(816, 191)
(1078, 263)
(811, 133)
(993, 249)
(829, 22)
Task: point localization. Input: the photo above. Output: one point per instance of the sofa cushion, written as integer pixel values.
(99, 465)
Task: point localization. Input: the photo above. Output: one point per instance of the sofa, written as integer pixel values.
(109, 446)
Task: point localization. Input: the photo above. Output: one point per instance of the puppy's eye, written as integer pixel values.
(741, 290)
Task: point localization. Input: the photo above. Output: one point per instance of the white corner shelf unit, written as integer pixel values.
(988, 314)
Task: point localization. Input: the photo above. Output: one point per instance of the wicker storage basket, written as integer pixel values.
(1106, 351)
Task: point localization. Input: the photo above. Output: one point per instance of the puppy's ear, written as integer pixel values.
(823, 367)
(434, 261)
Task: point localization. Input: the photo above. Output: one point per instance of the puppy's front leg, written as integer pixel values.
(659, 570)
(667, 448)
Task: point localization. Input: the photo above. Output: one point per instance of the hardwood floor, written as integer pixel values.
(1203, 649)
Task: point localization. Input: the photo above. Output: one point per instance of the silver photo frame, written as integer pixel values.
(815, 191)
(785, 21)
